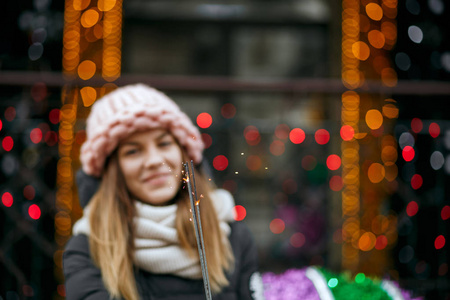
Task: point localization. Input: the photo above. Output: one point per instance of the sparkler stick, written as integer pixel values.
(195, 207)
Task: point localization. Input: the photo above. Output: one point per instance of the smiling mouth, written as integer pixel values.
(157, 179)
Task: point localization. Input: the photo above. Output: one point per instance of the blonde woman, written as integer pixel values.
(135, 239)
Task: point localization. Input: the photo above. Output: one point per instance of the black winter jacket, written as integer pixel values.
(83, 279)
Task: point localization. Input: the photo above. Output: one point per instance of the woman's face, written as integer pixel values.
(151, 162)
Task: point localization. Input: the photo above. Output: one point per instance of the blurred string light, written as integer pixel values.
(406, 139)
(437, 160)
(277, 226)
(207, 140)
(7, 143)
(282, 131)
(220, 162)
(434, 129)
(322, 136)
(34, 211)
(297, 136)
(7, 199)
(92, 40)
(369, 32)
(351, 180)
(10, 113)
(204, 120)
(228, 111)
(252, 135)
(239, 212)
(277, 148)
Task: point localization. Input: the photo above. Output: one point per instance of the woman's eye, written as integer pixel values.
(131, 151)
(165, 143)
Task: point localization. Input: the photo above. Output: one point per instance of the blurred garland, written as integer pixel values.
(319, 284)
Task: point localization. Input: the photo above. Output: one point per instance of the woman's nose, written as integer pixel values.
(153, 158)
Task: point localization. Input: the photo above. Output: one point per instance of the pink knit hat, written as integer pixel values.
(134, 108)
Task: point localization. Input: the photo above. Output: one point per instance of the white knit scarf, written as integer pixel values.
(157, 246)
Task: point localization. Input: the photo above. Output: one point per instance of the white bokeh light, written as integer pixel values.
(436, 6)
(437, 160)
(415, 34)
(406, 139)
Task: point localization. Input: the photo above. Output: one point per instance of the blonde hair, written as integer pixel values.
(112, 234)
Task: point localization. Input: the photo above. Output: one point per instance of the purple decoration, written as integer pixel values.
(290, 285)
(405, 293)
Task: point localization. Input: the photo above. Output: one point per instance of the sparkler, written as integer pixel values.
(195, 207)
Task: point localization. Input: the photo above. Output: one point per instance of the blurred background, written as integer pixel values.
(327, 120)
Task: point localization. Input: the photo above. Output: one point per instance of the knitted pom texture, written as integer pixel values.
(127, 110)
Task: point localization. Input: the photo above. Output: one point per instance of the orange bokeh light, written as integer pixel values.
(390, 111)
(88, 95)
(374, 119)
(277, 226)
(360, 50)
(89, 18)
(254, 162)
(376, 38)
(374, 11)
(106, 5)
(86, 69)
(389, 77)
(376, 172)
(81, 4)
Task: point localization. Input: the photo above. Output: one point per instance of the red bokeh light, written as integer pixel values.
(54, 116)
(36, 135)
(416, 181)
(347, 132)
(297, 240)
(34, 211)
(51, 138)
(29, 192)
(333, 162)
(39, 91)
(7, 199)
(204, 120)
(277, 148)
(1, 125)
(277, 226)
(207, 140)
(10, 113)
(381, 242)
(297, 136)
(252, 136)
(445, 212)
(416, 125)
(439, 242)
(336, 183)
(220, 162)
(7, 143)
(408, 153)
(239, 213)
(322, 136)
(282, 131)
(434, 130)
(309, 162)
(228, 111)
(412, 208)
